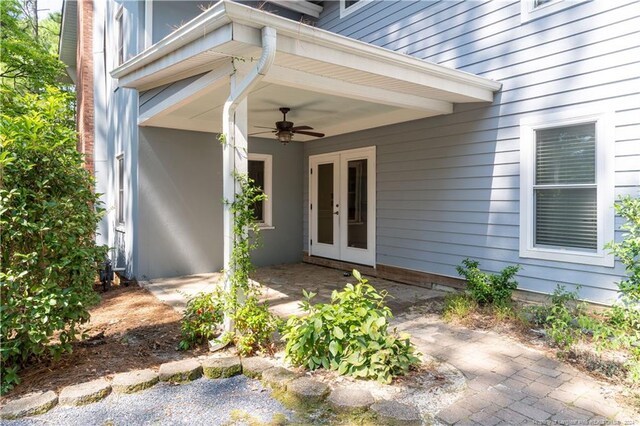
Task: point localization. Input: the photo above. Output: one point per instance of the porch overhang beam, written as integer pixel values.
(317, 83)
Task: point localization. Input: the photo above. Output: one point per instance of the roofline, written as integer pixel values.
(225, 12)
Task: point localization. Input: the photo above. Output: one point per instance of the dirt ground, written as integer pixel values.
(129, 329)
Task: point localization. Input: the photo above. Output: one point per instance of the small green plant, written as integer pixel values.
(255, 326)
(488, 288)
(563, 317)
(458, 306)
(202, 319)
(350, 335)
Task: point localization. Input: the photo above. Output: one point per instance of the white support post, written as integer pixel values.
(234, 158)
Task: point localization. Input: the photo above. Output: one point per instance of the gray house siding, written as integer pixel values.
(180, 199)
(283, 244)
(448, 187)
(180, 219)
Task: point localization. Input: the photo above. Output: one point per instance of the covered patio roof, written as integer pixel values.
(333, 83)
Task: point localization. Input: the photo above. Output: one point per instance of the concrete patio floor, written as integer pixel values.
(507, 382)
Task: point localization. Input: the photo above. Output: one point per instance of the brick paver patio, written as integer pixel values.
(508, 383)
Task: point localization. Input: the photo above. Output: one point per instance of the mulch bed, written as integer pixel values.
(129, 329)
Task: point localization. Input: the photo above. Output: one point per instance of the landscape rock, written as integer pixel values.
(217, 368)
(278, 377)
(307, 391)
(85, 393)
(134, 381)
(29, 405)
(182, 371)
(350, 400)
(394, 413)
(254, 366)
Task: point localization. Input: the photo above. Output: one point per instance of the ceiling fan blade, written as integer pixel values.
(296, 128)
(263, 127)
(259, 133)
(303, 132)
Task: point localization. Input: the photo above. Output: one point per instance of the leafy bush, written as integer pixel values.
(488, 288)
(47, 224)
(202, 319)
(628, 250)
(255, 326)
(349, 335)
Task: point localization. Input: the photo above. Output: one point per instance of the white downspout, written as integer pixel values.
(238, 93)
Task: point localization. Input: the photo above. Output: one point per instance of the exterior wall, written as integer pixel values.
(448, 187)
(115, 131)
(170, 15)
(180, 226)
(283, 244)
(180, 199)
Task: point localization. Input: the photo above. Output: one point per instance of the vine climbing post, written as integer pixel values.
(234, 160)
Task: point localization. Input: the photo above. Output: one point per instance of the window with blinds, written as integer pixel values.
(565, 187)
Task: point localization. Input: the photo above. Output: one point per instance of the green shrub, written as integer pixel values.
(47, 224)
(202, 319)
(488, 288)
(255, 326)
(628, 250)
(349, 335)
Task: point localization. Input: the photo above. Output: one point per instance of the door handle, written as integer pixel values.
(336, 213)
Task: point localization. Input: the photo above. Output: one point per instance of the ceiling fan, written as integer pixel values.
(285, 130)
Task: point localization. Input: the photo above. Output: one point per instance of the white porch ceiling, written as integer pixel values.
(332, 83)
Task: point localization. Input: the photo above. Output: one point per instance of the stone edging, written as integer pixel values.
(303, 389)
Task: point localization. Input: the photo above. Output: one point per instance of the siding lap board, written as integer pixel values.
(448, 186)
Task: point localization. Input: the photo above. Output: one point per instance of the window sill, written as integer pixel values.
(265, 227)
(121, 228)
(594, 259)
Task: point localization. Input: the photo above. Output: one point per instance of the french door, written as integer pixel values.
(342, 205)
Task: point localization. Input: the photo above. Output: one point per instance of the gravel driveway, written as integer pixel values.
(201, 402)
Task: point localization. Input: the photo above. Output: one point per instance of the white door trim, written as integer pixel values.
(340, 250)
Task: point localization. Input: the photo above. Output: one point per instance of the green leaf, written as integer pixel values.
(338, 333)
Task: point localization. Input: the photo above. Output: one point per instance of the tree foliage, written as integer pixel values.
(48, 213)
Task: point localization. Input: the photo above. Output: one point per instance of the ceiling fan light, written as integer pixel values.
(284, 136)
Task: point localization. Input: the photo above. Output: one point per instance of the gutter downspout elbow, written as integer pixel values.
(238, 93)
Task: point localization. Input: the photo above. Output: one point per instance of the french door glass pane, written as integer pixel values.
(566, 218)
(357, 204)
(325, 203)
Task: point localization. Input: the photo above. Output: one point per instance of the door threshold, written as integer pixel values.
(338, 264)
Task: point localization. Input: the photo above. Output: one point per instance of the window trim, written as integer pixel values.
(605, 152)
(529, 11)
(348, 10)
(120, 186)
(268, 178)
(148, 23)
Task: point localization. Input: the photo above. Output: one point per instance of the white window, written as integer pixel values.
(566, 188)
(349, 6)
(260, 171)
(120, 192)
(533, 9)
(119, 36)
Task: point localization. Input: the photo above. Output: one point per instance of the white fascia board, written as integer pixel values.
(303, 80)
(209, 81)
(214, 39)
(198, 27)
(300, 6)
